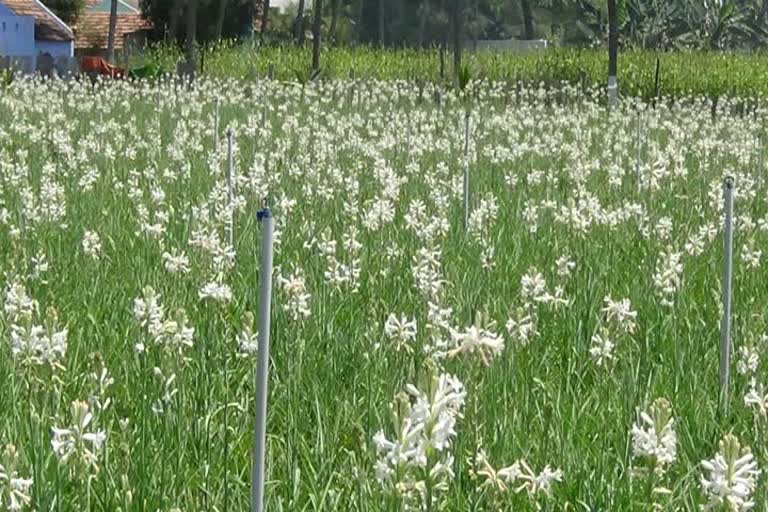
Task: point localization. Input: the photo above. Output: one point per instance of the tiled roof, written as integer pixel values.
(92, 29)
(123, 6)
(47, 26)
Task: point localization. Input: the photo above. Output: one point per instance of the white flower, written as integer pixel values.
(535, 483)
(91, 244)
(749, 360)
(176, 263)
(297, 303)
(14, 490)
(654, 440)
(522, 326)
(667, 278)
(248, 339)
(730, 477)
(757, 398)
(751, 257)
(519, 474)
(565, 266)
(475, 340)
(75, 444)
(602, 348)
(18, 304)
(219, 292)
(425, 423)
(621, 313)
(402, 331)
(533, 285)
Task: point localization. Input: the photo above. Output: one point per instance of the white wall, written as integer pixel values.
(17, 35)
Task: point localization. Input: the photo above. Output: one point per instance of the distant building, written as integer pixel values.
(28, 29)
(92, 28)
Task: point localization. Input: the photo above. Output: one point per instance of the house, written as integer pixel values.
(29, 29)
(92, 28)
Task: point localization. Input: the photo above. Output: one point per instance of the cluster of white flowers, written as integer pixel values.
(620, 314)
(33, 343)
(215, 291)
(730, 478)
(479, 341)
(517, 477)
(428, 273)
(534, 290)
(172, 333)
(401, 332)
(521, 326)
(92, 245)
(417, 463)
(248, 339)
(654, 441)
(176, 262)
(14, 489)
(295, 289)
(757, 399)
(168, 391)
(619, 320)
(668, 276)
(77, 447)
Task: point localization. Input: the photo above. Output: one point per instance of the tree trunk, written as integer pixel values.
(360, 17)
(381, 22)
(456, 34)
(299, 23)
(265, 17)
(220, 18)
(529, 29)
(613, 53)
(189, 49)
(316, 35)
(423, 14)
(334, 21)
(112, 29)
(173, 26)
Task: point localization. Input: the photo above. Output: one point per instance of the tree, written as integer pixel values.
(424, 12)
(67, 10)
(175, 15)
(381, 22)
(316, 35)
(112, 29)
(613, 52)
(456, 35)
(529, 30)
(335, 20)
(168, 18)
(299, 23)
(220, 19)
(189, 49)
(265, 18)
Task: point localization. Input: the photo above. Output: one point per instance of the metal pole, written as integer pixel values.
(216, 127)
(613, 92)
(725, 324)
(262, 365)
(637, 158)
(466, 169)
(760, 161)
(230, 190)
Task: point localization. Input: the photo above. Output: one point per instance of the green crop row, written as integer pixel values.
(681, 73)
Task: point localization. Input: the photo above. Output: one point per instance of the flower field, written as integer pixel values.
(559, 350)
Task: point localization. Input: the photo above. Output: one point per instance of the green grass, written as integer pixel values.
(682, 74)
(335, 373)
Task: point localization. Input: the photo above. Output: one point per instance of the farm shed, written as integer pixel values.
(29, 29)
(92, 28)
